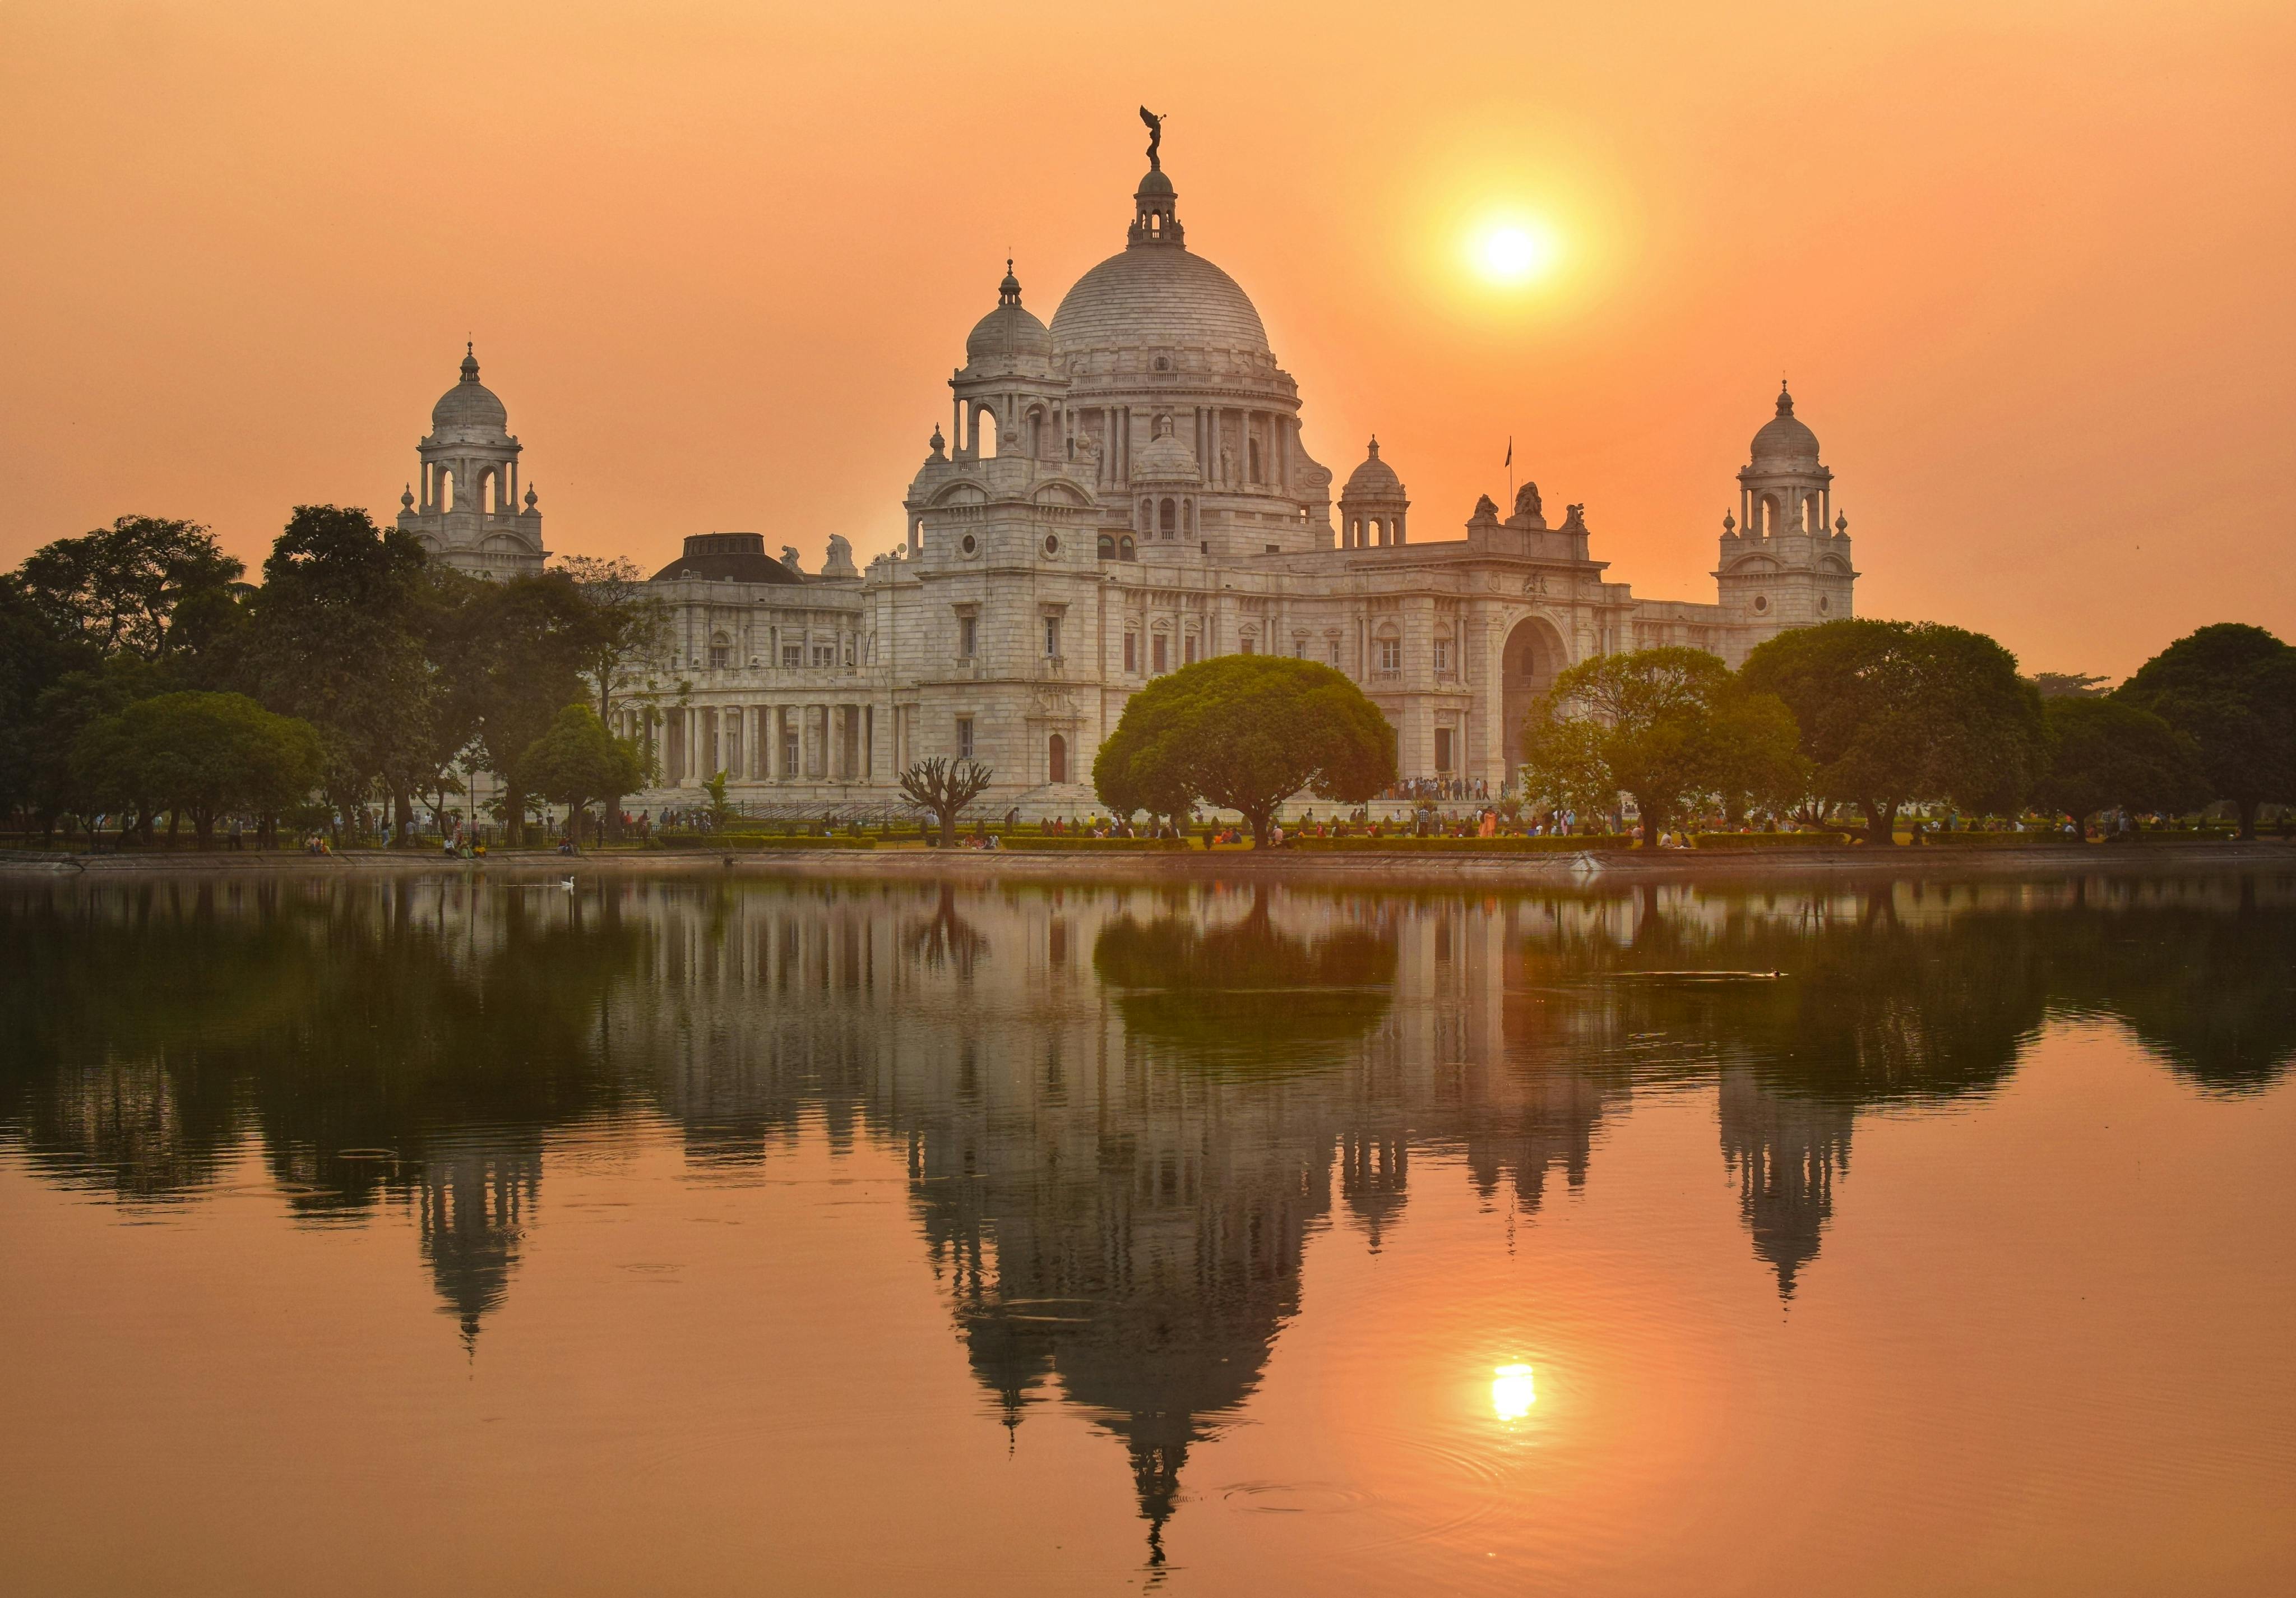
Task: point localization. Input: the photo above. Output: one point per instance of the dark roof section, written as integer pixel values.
(727, 557)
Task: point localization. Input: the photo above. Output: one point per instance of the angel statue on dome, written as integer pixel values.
(1155, 138)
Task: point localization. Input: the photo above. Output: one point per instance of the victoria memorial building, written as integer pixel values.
(1118, 494)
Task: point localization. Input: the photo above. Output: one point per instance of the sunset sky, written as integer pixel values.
(2031, 268)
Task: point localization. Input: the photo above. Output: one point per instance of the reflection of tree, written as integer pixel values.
(1246, 994)
(947, 939)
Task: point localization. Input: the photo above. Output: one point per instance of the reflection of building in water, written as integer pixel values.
(471, 1202)
(1785, 1150)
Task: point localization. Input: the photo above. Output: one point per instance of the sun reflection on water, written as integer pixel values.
(1510, 1392)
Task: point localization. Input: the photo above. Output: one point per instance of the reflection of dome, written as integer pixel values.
(1784, 442)
(470, 403)
(1157, 294)
(1008, 330)
(1372, 480)
(726, 557)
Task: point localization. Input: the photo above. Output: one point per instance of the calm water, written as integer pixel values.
(684, 1237)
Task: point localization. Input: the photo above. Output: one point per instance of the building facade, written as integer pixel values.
(1120, 493)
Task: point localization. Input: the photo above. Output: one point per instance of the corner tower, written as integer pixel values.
(469, 516)
(1781, 565)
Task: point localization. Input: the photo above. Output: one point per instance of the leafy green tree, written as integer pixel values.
(120, 587)
(528, 636)
(578, 762)
(626, 645)
(60, 785)
(1672, 727)
(203, 754)
(36, 653)
(2231, 689)
(2107, 754)
(1891, 711)
(336, 641)
(1245, 732)
(943, 787)
(2070, 685)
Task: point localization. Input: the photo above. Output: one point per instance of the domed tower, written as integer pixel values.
(1157, 332)
(470, 517)
(1781, 565)
(1371, 505)
(1007, 394)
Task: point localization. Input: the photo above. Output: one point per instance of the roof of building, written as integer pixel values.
(1156, 291)
(1785, 441)
(1008, 331)
(726, 557)
(1372, 480)
(1164, 458)
(470, 403)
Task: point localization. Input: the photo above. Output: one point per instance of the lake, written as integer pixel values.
(697, 1236)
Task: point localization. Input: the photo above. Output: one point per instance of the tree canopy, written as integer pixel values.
(1244, 732)
(2107, 754)
(2231, 689)
(118, 587)
(1672, 727)
(1891, 711)
(578, 762)
(202, 753)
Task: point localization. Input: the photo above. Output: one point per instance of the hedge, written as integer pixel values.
(750, 841)
(1083, 843)
(1994, 840)
(1770, 840)
(1565, 844)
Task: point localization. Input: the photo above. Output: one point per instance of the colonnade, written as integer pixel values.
(1211, 427)
(817, 741)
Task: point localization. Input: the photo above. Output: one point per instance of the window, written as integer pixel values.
(1390, 655)
(1167, 518)
(968, 636)
(1300, 648)
(1335, 653)
(1125, 548)
(1274, 548)
(1249, 643)
(1156, 652)
(788, 749)
(965, 738)
(792, 655)
(1189, 649)
(825, 655)
(1132, 651)
(1442, 748)
(1761, 602)
(1052, 638)
(1107, 547)
(720, 656)
(1442, 653)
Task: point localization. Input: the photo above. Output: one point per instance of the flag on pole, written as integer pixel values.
(1510, 459)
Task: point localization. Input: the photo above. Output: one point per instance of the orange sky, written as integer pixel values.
(2028, 266)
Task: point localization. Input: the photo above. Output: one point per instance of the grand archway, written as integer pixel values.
(1534, 655)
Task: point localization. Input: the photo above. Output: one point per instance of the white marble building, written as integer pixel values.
(1126, 492)
(468, 515)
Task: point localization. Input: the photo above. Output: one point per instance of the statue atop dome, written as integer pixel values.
(1155, 138)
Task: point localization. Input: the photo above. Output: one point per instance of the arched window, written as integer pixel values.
(1107, 547)
(984, 432)
(1035, 443)
(1167, 518)
(1125, 550)
(1765, 516)
(1059, 758)
(446, 495)
(1813, 516)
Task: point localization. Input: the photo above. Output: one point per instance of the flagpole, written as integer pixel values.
(1510, 465)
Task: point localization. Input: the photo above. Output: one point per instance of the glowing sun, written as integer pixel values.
(1514, 252)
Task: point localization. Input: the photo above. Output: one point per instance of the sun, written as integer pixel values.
(1514, 252)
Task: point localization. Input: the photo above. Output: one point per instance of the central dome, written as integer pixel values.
(470, 403)
(1158, 294)
(1785, 441)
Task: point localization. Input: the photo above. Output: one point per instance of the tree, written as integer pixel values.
(528, 635)
(944, 787)
(1672, 727)
(2231, 689)
(627, 638)
(2070, 685)
(2108, 753)
(577, 761)
(336, 641)
(1891, 711)
(200, 753)
(1245, 732)
(65, 709)
(118, 587)
(36, 653)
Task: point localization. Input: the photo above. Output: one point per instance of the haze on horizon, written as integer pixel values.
(2026, 265)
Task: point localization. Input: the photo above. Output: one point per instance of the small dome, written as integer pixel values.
(1372, 480)
(1156, 184)
(1165, 459)
(1008, 331)
(726, 557)
(1785, 443)
(470, 403)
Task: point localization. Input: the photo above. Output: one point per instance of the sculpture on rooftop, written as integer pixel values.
(1155, 138)
(1526, 501)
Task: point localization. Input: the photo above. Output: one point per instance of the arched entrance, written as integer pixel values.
(1535, 654)
(1060, 758)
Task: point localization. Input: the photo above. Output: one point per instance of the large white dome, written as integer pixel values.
(1159, 295)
